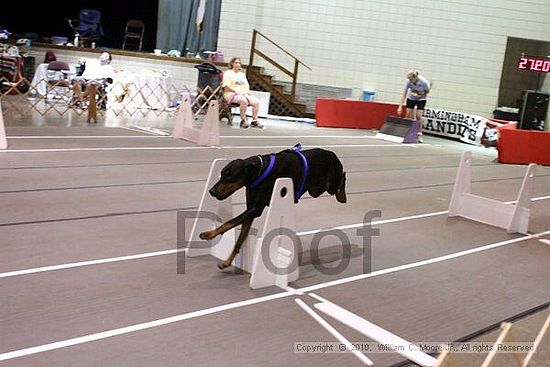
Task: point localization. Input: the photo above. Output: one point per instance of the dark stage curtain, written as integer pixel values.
(177, 26)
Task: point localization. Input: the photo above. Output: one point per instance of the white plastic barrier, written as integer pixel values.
(3, 140)
(272, 263)
(207, 135)
(374, 332)
(275, 248)
(341, 338)
(223, 209)
(512, 217)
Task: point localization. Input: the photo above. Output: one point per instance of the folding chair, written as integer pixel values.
(59, 81)
(135, 29)
(88, 27)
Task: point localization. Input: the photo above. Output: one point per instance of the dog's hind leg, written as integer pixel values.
(242, 236)
(316, 191)
(341, 191)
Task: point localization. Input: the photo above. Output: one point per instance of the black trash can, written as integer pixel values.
(209, 75)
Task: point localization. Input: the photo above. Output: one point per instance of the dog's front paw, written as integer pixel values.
(223, 265)
(207, 235)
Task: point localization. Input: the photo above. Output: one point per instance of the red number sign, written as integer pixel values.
(540, 64)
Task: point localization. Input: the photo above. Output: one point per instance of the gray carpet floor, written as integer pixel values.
(80, 198)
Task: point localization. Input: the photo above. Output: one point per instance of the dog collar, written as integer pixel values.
(264, 174)
(297, 149)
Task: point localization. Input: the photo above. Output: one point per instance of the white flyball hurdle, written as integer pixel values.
(512, 217)
(3, 140)
(207, 135)
(274, 262)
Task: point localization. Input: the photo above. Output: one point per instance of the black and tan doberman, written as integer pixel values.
(313, 170)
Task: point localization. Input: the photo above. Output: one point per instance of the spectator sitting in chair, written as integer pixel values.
(94, 71)
(237, 90)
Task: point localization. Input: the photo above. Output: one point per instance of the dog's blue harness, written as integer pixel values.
(263, 174)
(297, 149)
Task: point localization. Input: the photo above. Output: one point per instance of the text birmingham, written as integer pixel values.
(454, 123)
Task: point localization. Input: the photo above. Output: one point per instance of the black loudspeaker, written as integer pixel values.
(533, 110)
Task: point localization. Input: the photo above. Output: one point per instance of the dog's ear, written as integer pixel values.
(232, 170)
(251, 167)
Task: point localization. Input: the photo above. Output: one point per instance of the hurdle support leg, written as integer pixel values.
(207, 135)
(183, 127)
(212, 212)
(275, 260)
(512, 217)
(3, 140)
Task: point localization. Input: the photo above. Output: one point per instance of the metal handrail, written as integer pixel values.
(292, 74)
(282, 49)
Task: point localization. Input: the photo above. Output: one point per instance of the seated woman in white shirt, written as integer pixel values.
(96, 71)
(237, 90)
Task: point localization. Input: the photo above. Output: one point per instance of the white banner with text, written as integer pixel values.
(455, 125)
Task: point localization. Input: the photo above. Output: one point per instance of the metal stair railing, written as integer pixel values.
(255, 51)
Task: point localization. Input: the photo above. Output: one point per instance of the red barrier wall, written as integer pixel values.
(523, 146)
(352, 114)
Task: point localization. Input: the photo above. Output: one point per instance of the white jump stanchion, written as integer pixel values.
(207, 135)
(275, 261)
(266, 269)
(3, 140)
(512, 217)
(184, 120)
(210, 131)
(210, 205)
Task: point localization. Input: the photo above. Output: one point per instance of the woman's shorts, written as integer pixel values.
(248, 98)
(419, 104)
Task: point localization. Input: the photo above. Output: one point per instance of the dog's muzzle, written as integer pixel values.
(214, 192)
(220, 192)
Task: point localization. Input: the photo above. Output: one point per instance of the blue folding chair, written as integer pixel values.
(88, 27)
